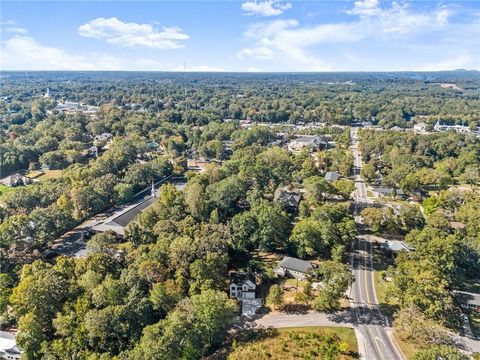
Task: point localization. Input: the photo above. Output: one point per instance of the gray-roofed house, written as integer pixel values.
(384, 191)
(310, 142)
(289, 200)
(332, 176)
(15, 180)
(91, 151)
(396, 246)
(103, 137)
(297, 268)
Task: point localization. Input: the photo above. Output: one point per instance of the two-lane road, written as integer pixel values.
(372, 325)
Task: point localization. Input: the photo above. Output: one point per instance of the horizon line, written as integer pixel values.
(251, 72)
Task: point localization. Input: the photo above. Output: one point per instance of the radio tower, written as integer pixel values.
(185, 85)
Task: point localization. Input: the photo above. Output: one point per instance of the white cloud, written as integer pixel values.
(265, 8)
(365, 8)
(25, 53)
(7, 22)
(124, 34)
(259, 52)
(16, 30)
(287, 38)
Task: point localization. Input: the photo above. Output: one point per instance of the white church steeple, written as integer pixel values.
(153, 190)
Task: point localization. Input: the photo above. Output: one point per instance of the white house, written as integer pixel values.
(8, 346)
(420, 128)
(243, 286)
(297, 268)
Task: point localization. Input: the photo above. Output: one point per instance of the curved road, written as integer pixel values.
(373, 327)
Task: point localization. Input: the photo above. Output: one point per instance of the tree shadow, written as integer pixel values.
(295, 309)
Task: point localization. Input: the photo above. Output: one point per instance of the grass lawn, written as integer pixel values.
(471, 286)
(381, 288)
(50, 174)
(408, 349)
(299, 343)
(6, 189)
(34, 174)
(388, 307)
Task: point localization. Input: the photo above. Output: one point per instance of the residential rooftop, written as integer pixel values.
(291, 263)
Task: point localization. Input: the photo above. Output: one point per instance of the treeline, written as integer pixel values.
(419, 163)
(391, 100)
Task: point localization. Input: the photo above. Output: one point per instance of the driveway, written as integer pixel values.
(310, 318)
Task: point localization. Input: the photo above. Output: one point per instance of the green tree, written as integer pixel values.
(208, 273)
(275, 295)
(196, 200)
(226, 194)
(6, 284)
(31, 336)
(335, 278)
(411, 217)
(102, 243)
(440, 352)
(379, 219)
(412, 325)
(244, 225)
(307, 238)
(317, 189)
(164, 296)
(344, 187)
(368, 172)
(272, 225)
(123, 193)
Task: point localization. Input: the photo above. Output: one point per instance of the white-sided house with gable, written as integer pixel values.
(243, 286)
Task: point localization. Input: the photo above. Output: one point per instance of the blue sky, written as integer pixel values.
(271, 35)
